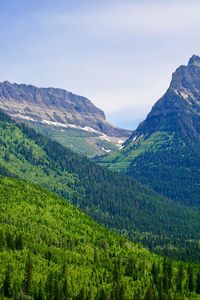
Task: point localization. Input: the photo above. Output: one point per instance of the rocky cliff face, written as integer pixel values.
(55, 107)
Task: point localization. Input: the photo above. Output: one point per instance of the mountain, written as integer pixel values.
(164, 151)
(111, 198)
(72, 120)
(50, 250)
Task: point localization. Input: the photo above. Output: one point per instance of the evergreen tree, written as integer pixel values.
(150, 294)
(10, 241)
(198, 283)
(7, 285)
(50, 286)
(154, 272)
(130, 269)
(82, 295)
(167, 274)
(180, 278)
(2, 240)
(19, 242)
(103, 295)
(191, 280)
(65, 288)
(117, 272)
(28, 276)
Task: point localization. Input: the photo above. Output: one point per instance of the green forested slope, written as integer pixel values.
(111, 198)
(50, 250)
(164, 162)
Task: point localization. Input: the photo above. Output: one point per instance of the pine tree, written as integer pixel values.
(57, 292)
(130, 269)
(191, 281)
(82, 295)
(50, 285)
(180, 278)
(198, 283)
(103, 295)
(167, 274)
(65, 288)
(150, 294)
(19, 242)
(40, 293)
(2, 240)
(28, 276)
(6, 285)
(155, 273)
(117, 272)
(10, 241)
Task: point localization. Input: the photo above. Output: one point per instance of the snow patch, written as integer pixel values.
(137, 137)
(134, 139)
(120, 142)
(57, 124)
(104, 137)
(184, 95)
(24, 117)
(176, 92)
(89, 129)
(106, 150)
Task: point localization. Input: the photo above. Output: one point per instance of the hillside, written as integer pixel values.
(113, 199)
(72, 120)
(50, 250)
(164, 151)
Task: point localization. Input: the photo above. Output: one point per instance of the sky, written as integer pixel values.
(118, 53)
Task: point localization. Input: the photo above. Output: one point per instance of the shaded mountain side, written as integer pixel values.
(64, 116)
(111, 198)
(164, 151)
(50, 249)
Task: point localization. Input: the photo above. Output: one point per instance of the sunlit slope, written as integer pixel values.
(50, 250)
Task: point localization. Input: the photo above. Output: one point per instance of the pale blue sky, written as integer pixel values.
(119, 53)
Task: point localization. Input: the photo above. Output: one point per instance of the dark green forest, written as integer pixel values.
(50, 250)
(112, 199)
(164, 162)
(171, 171)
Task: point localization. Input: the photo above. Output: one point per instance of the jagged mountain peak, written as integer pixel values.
(186, 80)
(194, 61)
(179, 108)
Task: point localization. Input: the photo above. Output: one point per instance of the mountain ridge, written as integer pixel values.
(163, 152)
(61, 114)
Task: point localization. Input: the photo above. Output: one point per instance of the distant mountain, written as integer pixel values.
(51, 250)
(164, 151)
(72, 120)
(111, 198)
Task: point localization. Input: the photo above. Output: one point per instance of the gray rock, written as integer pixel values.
(27, 102)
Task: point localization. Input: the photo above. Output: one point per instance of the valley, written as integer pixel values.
(111, 198)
